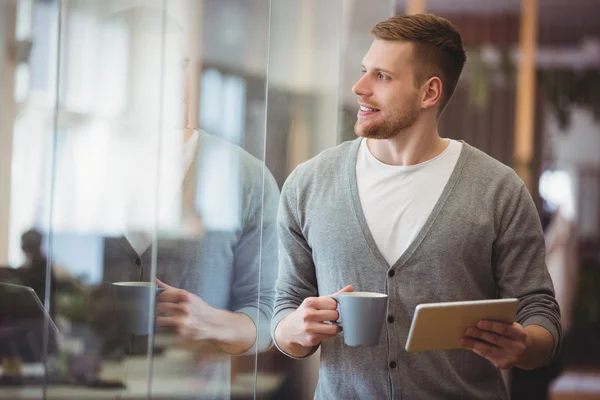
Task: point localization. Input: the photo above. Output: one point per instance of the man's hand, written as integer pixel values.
(187, 314)
(200, 326)
(502, 344)
(305, 327)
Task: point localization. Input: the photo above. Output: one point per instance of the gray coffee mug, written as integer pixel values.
(134, 302)
(362, 315)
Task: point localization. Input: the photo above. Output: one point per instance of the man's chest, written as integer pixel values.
(203, 266)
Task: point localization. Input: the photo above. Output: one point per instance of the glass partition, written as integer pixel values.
(141, 213)
(143, 145)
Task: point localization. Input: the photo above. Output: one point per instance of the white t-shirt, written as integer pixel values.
(139, 240)
(397, 200)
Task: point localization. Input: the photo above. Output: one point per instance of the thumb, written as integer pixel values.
(348, 288)
(161, 284)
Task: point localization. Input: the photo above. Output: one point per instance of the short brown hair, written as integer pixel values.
(438, 47)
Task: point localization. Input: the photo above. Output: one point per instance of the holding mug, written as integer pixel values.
(135, 305)
(362, 315)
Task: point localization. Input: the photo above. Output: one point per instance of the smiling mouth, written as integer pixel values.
(366, 112)
(367, 109)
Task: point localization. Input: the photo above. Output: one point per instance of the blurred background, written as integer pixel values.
(99, 102)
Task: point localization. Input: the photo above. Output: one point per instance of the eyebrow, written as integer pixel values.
(385, 71)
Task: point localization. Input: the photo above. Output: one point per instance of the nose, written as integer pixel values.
(362, 88)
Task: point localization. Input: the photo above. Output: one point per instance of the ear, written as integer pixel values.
(432, 92)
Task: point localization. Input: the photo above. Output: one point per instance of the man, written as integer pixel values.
(424, 219)
(33, 272)
(21, 319)
(217, 259)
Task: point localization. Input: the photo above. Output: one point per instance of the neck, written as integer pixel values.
(187, 133)
(419, 143)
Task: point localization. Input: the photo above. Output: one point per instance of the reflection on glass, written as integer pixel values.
(151, 242)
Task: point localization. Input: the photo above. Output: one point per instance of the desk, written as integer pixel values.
(170, 382)
(242, 387)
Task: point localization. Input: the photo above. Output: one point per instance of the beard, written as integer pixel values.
(389, 127)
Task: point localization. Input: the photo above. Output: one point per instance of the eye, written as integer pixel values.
(382, 77)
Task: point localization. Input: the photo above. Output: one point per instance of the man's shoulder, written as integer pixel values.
(253, 169)
(489, 169)
(210, 144)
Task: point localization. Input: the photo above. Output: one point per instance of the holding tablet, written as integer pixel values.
(440, 326)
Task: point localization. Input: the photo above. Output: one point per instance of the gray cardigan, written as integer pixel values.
(483, 240)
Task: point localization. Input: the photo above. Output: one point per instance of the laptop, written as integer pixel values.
(24, 323)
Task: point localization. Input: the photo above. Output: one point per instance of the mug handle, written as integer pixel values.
(159, 290)
(339, 321)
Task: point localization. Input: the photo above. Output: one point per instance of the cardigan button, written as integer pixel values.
(391, 273)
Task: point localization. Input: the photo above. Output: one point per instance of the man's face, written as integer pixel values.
(388, 98)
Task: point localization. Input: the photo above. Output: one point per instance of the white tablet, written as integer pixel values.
(439, 326)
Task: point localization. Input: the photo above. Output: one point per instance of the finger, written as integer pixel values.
(172, 309)
(161, 284)
(320, 328)
(484, 349)
(320, 303)
(490, 337)
(170, 322)
(323, 337)
(184, 296)
(324, 315)
(346, 289)
(173, 295)
(513, 331)
(310, 314)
